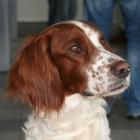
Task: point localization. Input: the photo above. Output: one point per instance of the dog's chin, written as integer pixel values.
(115, 87)
(114, 90)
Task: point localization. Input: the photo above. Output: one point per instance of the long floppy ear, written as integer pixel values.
(34, 78)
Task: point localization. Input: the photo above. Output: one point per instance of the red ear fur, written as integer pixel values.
(34, 78)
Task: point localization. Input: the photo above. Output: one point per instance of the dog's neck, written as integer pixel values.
(76, 117)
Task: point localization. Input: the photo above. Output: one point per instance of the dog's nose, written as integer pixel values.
(120, 69)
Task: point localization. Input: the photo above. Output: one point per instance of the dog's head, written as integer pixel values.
(67, 58)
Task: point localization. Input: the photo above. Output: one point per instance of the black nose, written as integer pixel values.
(120, 69)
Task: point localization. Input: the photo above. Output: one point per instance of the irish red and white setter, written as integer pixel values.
(63, 74)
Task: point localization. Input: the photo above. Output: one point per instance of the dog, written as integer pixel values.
(64, 74)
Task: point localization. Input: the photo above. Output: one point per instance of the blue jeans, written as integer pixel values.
(101, 13)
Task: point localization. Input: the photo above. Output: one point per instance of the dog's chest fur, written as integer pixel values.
(80, 119)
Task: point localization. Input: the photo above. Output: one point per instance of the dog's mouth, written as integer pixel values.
(109, 88)
(115, 88)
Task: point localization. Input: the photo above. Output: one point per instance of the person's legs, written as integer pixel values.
(61, 11)
(131, 13)
(52, 10)
(72, 9)
(100, 12)
(68, 9)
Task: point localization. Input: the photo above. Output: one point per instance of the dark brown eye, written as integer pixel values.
(76, 48)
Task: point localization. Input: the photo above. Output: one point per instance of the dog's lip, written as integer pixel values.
(114, 91)
(115, 87)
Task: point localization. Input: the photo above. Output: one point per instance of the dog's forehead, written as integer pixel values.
(92, 33)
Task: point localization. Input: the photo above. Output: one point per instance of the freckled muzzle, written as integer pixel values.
(115, 79)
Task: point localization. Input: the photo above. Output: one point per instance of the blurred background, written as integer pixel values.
(22, 18)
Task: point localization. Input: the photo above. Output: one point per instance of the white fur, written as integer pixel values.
(80, 119)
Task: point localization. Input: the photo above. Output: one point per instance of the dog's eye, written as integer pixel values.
(76, 48)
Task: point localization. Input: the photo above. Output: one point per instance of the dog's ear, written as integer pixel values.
(33, 77)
